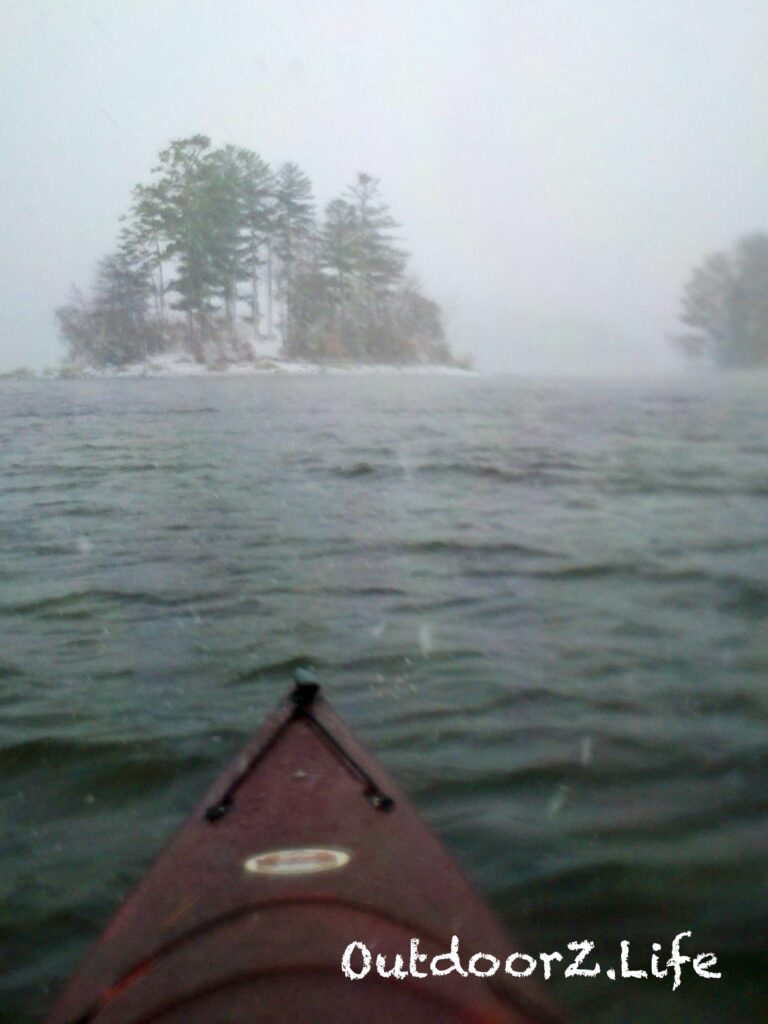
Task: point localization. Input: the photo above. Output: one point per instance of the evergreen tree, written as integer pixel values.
(256, 193)
(339, 248)
(293, 230)
(144, 242)
(221, 189)
(335, 288)
(380, 263)
(308, 335)
(379, 266)
(187, 225)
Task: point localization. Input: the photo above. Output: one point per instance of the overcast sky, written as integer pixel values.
(557, 165)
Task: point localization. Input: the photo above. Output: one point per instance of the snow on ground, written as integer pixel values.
(175, 364)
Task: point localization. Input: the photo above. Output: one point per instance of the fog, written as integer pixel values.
(558, 167)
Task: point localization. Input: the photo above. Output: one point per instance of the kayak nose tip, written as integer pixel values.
(306, 687)
(305, 675)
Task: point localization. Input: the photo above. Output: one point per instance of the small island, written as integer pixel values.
(221, 264)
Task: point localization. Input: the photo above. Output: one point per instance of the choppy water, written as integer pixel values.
(543, 605)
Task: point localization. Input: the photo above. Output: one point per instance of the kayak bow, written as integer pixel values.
(302, 847)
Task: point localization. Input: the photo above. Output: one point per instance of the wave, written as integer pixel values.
(438, 546)
(84, 603)
(114, 769)
(283, 669)
(360, 469)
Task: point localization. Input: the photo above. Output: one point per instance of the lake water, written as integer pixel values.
(543, 605)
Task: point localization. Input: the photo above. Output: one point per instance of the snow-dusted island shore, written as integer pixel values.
(178, 365)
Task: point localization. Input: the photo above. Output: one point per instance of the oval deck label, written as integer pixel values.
(306, 861)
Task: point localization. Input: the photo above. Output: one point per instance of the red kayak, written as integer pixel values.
(289, 894)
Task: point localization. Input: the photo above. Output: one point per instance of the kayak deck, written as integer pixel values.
(302, 847)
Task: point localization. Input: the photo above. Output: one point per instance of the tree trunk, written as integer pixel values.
(229, 308)
(255, 303)
(161, 282)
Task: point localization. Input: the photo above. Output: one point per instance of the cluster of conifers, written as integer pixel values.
(219, 253)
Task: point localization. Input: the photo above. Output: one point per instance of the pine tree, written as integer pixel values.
(256, 193)
(339, 248)
(380, 263)
(187, 224)
(335, 286)
(293, 230)
(221, 188)
(144, 243)
(379, 266)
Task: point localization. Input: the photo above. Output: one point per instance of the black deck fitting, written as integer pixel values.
(304, 694)
(217, 811)
(380, 800)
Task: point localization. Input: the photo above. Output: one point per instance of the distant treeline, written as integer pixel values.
(725, 305)
(219, 252)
